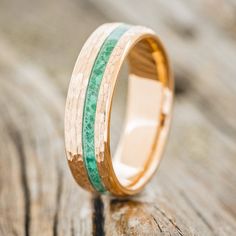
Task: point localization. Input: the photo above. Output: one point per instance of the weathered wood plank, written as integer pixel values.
(194, 190)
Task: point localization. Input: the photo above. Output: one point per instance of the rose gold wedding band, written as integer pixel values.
(89, 104)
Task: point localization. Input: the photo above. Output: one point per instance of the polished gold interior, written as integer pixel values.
(137, 153)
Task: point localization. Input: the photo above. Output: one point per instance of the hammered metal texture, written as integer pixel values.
(75, 101)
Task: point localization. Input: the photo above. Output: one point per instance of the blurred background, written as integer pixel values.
(194, 191)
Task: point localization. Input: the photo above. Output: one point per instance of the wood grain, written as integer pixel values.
(194, 190)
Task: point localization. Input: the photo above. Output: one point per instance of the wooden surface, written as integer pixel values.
(194, 191)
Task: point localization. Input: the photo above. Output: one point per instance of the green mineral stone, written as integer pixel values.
(90, 105)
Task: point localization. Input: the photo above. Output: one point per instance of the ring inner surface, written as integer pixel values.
(144, 119)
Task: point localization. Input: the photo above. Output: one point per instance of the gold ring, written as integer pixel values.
(89, 103)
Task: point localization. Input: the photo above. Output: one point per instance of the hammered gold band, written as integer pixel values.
(89, 103)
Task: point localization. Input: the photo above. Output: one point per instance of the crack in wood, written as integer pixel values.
(158, 225)
(17, 139)
(182, 82)
(72, 229)
(58, 199)
(98, 216)
(188, 32)
(170, 220)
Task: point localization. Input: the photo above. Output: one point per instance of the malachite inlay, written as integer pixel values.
(90, 105)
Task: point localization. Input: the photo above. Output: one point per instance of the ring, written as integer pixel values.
(89, 105)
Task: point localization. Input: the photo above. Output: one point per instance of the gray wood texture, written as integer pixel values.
(194, 191)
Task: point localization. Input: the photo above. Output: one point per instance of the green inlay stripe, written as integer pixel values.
(90, 105)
